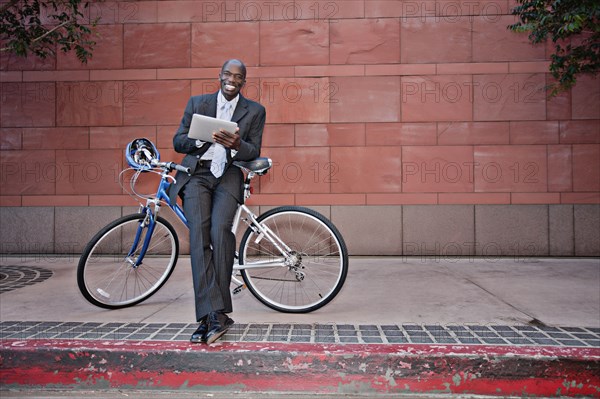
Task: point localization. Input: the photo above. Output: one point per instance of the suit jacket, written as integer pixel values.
(250, 117)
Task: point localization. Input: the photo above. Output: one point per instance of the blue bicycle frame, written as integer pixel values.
(150, 220)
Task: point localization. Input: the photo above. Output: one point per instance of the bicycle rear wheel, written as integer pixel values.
(314, 272)
(107, 276)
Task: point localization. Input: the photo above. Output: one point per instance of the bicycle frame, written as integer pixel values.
(150, 220)
(250, 219)
(263, 231)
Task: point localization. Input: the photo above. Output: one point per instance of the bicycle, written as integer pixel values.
(291, 258)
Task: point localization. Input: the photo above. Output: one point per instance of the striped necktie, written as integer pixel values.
(217, 166)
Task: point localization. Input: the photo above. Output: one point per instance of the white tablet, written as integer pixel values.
(203, 126)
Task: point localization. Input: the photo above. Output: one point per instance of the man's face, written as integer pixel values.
(232, 80)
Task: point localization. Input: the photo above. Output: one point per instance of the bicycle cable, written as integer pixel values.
(134, 178)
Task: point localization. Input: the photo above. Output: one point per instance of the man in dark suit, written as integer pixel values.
(212, 192)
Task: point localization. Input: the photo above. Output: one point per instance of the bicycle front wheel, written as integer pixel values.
(309, 276)
(107, 274)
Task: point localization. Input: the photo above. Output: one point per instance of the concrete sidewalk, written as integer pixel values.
(378, 290)
(509, 326)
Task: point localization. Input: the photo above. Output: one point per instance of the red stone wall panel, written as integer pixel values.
(107, 54)
(401, 134)
(366, 169)
(89, 103)
(493, 42)
(278, 135)
(117, 137)
(365, 41)
(437, 169)
(365, 99)
(164, 135)
(437, 98)
(508, 168)
(294, 42)
(509, 97)
(339, 134)
(560, 169)
(205, 86)
(460, 133)
(586, 98)
(27, 104)
(586, 167)
(296, 100)
(212, 43)
(157, 46)
(534, 132)
(580, 132)
(369, 102)
(186, 11)
(9, 61)
(297, 170)
(558, 107)
(28, 172)
(155, 102)
(88, 171)
(48, 138)
(11, 138)
(421, 40)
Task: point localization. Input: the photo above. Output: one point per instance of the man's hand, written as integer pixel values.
(228, 140)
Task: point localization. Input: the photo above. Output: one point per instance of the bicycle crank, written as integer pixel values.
(238, 289)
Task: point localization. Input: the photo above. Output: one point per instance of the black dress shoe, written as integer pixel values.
(218, 324)
(199, 336)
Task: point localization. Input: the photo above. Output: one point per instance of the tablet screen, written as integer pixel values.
(203, 126)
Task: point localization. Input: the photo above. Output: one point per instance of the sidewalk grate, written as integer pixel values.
(14, 277)
(312, 333)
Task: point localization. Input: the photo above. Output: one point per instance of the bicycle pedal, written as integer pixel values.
(239, 289)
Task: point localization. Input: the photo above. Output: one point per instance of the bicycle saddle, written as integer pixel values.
(260, 166)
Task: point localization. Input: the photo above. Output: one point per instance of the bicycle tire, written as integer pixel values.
(322, 260)
(105, 274)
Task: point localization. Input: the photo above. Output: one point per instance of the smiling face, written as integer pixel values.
(233, 78)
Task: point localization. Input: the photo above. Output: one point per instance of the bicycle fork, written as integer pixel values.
(147, 224)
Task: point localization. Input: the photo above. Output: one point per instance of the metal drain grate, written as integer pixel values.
(15, 277)
(314, 333)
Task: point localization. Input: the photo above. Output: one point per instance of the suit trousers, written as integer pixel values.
(210, 210)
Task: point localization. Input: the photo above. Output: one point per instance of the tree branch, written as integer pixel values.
(50, 31)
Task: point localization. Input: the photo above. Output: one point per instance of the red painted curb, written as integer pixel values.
(319, 368)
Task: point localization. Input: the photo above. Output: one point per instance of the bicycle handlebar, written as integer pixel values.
(171, 166)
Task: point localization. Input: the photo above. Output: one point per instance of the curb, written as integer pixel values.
(286, 367)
